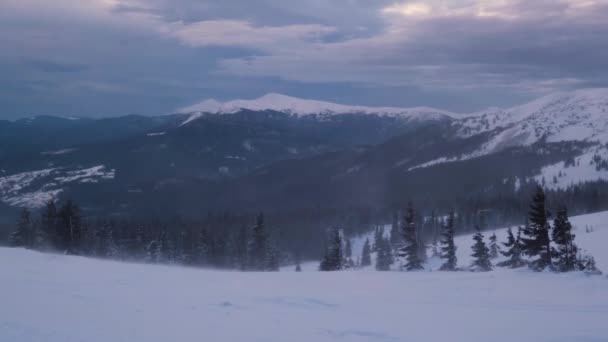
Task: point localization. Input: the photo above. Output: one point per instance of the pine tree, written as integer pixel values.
(258, 245)
(203, 248)
(481, 254)
(411, 249)
(332, 260)
(536, 242)
(494, 248)
(23, 235)
(348, 249)
(378, 238)
(47, 235)
(448, 247)
(272, 259)
(69, 229)
(566, 251)
(384, 256)
(513, 251)
(395, 235)
(366, 259)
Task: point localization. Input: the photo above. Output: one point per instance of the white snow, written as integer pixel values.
(303, 107)
(33, 189)
(580, 115)
(156, 134)
(90, 175)
(59, 298)
(558, 176)
(59, 152)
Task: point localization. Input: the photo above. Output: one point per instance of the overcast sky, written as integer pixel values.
(112, 57)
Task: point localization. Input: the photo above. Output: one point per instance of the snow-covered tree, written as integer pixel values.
(566, 251)
(411, 249)
(366, 259)
(494, 248)
(258, 245)
(23, 235)
(513, 251)
(536, 242)
(448, 247)
(481, 254)
(332, 260)
(384, 256)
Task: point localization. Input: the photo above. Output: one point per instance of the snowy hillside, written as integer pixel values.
(58, 298)
(34, 189)
(591, 233)
(302, 107)
(580, 115)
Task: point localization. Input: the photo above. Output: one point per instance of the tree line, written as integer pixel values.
(537, 244)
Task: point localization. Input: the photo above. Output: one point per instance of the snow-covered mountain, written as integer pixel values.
(580, 115)
(303, 107)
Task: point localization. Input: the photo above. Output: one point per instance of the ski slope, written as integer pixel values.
(58, 298)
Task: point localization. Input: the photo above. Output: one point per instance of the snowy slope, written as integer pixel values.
(580, 115)
(33, 189)
(58, 298)
(302, 107)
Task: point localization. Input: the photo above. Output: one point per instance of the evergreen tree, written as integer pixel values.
(411, 249)
(258, 245)
(332, 260)
(448, 247)
(395, 235)
(536, 241)
(481, 254)
(378, 238)
(272, 259)
(384, 256)
(203, 248)
(23, 236)
(69, 229)
(494, 248)
(366, 258)
(566, 251)
(47, 235)
(348, 249)
(513, 251)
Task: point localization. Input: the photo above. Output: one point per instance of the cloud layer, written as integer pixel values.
(153, 55)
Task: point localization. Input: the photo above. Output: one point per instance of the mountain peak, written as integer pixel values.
(302, 107)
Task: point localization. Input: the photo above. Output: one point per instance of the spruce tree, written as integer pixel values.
(536, 242)
(47, 237)
(448, 247)
(566, 251)
(513, 251)
(366, 259)
(395, 235)
(494, 248)
(481, 254)
(258, 245)
(383, 256)
(23, 235)
(411, 249)
(332, 260)
(69, 229)
(378, 238)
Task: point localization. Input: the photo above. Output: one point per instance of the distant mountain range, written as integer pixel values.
(283, 152)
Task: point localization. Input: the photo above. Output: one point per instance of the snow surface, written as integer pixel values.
(58, 298)
(33, 189)
(303, 107)
(558, 176)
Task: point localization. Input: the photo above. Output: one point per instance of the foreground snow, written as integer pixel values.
(49, 298)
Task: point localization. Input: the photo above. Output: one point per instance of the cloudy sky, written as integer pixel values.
(111, 57)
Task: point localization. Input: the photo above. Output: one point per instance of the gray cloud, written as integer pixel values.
(54, 66)
(149, 56)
